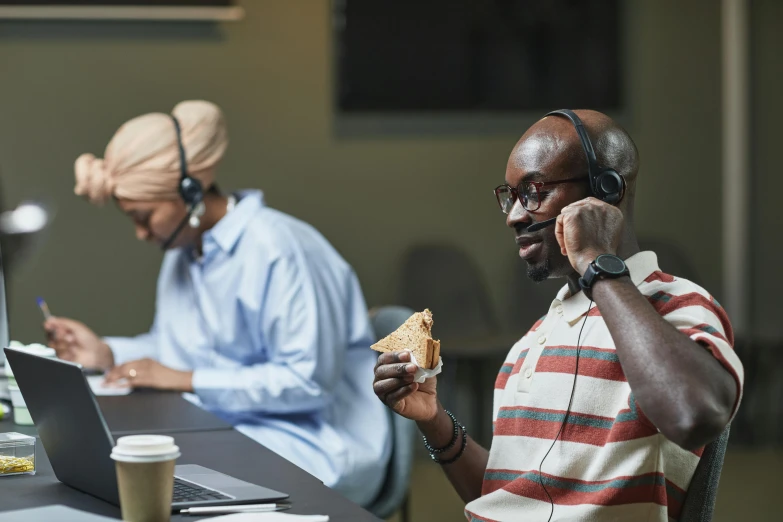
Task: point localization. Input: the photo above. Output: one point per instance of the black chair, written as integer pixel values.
(700, 500)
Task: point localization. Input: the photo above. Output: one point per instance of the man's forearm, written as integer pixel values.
(678, 384)
(467, 473)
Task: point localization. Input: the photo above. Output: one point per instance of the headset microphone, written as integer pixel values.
(541, 225)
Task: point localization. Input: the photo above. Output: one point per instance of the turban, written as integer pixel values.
(142, 161)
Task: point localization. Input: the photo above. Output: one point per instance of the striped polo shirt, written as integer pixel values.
(610, 462)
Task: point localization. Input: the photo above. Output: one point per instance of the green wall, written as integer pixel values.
(67, 86)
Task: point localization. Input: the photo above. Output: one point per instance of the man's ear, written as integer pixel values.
(622, 192)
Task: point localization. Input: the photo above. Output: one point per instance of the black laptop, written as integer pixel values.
(78, 442)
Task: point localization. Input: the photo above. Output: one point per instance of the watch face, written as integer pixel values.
(610, 264)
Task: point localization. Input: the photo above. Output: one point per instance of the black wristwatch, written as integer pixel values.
(605, 266)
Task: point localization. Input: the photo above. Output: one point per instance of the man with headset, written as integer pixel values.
(256, 314)
(603, 408)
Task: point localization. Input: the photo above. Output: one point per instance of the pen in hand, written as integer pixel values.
(50, 333)
(44, 308)
(46, 313)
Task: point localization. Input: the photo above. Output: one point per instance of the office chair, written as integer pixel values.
(703, 490)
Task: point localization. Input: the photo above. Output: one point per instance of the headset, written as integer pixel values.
(605, 183)
(190, 189)
(567, 413)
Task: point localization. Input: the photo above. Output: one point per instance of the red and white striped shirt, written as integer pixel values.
(610, 462)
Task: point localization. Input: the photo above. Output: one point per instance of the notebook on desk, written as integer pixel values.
(79, 444)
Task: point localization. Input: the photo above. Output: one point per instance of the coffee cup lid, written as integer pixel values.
(145, 448)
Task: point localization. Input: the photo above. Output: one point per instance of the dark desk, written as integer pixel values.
(224, 450)
(147, 412)
(156, 412)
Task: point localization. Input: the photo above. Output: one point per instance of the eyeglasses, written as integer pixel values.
(529, 192)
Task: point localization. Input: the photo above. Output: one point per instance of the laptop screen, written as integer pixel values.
(4, 335)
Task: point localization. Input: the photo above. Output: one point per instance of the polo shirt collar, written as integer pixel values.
(641, 266)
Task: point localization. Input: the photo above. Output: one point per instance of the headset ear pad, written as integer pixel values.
(190, 190)
(609, 186)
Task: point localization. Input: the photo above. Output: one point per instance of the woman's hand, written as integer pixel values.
(74, 341)
(149, 373)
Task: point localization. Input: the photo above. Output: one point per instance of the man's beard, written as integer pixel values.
(539, 272)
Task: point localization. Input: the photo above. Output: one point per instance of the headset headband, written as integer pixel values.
(587, 146)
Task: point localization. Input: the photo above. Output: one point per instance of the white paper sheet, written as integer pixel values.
(96, 383)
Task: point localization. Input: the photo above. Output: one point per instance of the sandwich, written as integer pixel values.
(415, 335)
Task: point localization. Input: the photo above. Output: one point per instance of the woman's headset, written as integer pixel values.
(190, 189)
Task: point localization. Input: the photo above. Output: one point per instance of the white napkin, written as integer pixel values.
(273, 516)
(423, 373)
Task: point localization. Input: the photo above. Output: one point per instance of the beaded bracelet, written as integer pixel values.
(453, 438)
(458, 455)
(457, 428)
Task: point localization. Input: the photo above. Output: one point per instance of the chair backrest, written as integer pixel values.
(384, 321)
(703, 490)
(445, 279)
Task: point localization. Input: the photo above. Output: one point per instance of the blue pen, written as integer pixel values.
(44, 307)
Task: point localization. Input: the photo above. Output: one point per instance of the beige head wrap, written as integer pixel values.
(142, 159)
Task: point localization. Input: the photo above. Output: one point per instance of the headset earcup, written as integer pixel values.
(609, 185)
(190, 190)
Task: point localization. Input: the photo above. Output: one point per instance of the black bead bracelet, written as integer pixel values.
(436, 451)
(458, 455)
(453, 437)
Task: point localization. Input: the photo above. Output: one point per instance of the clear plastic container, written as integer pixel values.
(17, 454)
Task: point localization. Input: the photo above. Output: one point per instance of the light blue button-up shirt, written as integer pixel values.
(273, 324)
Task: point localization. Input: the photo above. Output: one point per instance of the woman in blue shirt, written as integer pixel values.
(257, 316)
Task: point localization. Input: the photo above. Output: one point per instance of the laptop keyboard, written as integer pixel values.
(185, 491)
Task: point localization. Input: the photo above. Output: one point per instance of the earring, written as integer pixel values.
(195, 215)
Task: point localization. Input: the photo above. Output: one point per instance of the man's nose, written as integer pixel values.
(518, 215)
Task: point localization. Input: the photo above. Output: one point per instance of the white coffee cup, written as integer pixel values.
(145, 476)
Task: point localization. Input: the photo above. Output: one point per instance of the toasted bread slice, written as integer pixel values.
(415, 335)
